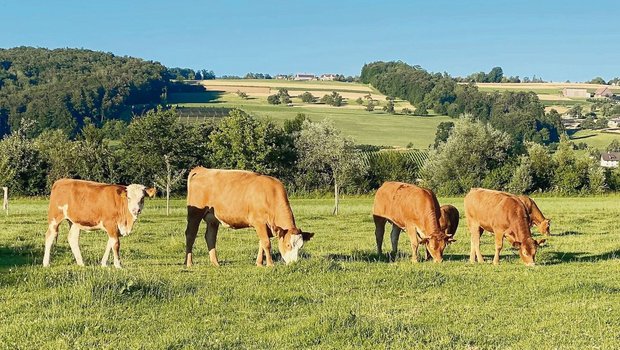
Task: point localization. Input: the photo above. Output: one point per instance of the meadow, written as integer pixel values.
(374, 128)
(340, 295)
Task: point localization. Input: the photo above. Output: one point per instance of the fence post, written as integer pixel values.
(5, 203)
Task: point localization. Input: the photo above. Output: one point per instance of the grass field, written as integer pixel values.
(340, 296)
(375, 128)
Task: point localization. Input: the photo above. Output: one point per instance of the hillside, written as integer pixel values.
(375, 128)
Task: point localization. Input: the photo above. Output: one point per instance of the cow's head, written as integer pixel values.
(135, 198)
(545, 227)
(527, 249)
(290, 241)
(435, 244)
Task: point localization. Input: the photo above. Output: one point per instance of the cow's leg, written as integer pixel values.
(263, 236)
(394, 235)
(74, 238)
(211, 237)
(194, 216)
(475, 232)
(106, 254)
(259, 255)
(499, 241)
(379, 232)
(114, 239)
(116, 250)
(413, 237)
(50, 238)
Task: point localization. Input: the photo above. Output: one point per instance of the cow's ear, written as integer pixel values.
(424, 241)
(280, 232)
(516, 245)
(306, 235)
(541, 242)
(150, 192)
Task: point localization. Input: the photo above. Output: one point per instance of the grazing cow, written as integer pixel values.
(448, 223)
(413, 209)
(241, 199)
(536, 216)
(89, 205)
(504, 215)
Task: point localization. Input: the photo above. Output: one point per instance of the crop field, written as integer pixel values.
(375, 128)
(340, 295)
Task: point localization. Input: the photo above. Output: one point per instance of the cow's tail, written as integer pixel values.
(192, 173)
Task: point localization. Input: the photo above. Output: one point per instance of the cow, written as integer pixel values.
(413, 209)
(88, 206)
(536, 216)
(448, 223)
(504, 215)
(241, 199)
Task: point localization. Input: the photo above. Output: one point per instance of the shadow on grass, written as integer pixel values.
(19, 256)
(554, 258)
(568, 233)
(210, 96)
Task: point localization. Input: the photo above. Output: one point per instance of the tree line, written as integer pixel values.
(520, 114)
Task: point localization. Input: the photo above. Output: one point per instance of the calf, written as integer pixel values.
(88, 205)
(241, 199)
(504, 215)
(536, 216)
(413, 209)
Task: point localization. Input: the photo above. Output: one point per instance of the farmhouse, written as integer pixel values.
(327, 77)
(581, 93)
(304, 76)
(613, 123)
(610, 159)
(603, 92)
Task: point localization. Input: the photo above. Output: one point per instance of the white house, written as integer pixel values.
(610, 159)
(328, 76)
(614, 123)
(580, 93)
(304, 76)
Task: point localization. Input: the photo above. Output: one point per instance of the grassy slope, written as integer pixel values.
(341, 295)
(377, 128)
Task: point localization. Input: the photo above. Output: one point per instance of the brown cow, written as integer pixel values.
(504, 215)
(241, 199)
(89, 205)
(448, 223)
(536, 216)
(413, 209)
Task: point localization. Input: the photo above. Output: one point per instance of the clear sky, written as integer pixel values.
(555, 40)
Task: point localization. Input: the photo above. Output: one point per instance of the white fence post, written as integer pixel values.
(5, 203)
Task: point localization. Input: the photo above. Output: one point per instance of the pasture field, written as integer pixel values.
(341, 295)
(375, 128)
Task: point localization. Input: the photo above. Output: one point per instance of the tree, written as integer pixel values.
(359, 101)
(273, 99)
(389, 107)
(370, 106)
(421, 109)
(598, 80)
(242, 141)
(307, 97)
(442, 133)
(614, 146)
(242, 94)
(168, 180)
(522, 180)
(472, 151)
(327, 158)
(333, 99)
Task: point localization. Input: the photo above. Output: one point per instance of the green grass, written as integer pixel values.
(341, 295)
(375, 128)
(595, 138)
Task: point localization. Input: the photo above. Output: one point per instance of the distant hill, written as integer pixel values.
(59, 88)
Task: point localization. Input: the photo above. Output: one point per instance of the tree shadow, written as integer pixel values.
(19, 256)
(209, 96)
(554, 258)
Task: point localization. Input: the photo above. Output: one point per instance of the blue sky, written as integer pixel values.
(555, 40)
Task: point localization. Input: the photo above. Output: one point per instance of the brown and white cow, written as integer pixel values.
(89, 205)
(536, 216)
(413, 209)
(504, 215)
(241, 199)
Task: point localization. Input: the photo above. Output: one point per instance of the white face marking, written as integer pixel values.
(296, 242)
(135, 199)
